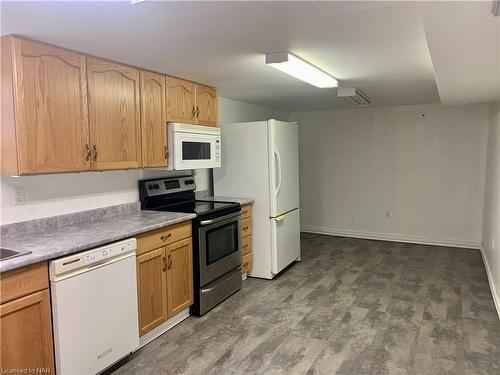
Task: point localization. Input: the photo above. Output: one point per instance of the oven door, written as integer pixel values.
(219, 246)
(193, 151)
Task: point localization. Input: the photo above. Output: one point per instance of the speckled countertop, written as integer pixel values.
(241, 201)
(54, 241)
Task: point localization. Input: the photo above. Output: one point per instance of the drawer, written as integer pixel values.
(163, 236)
(246, 211)
(23, 281)
(246, 263)
(246, 245)
(246, 227)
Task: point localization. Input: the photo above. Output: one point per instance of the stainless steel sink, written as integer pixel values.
(9, 253)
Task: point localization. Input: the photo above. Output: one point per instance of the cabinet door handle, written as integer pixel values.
(88, 153)
(169, 261)
(165, 150)
(197, 112)
(164, 238)
(164, 263)
(193, 111)
(94, 147)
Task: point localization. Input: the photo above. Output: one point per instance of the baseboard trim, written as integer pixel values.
(494, 290)
(391, 237)
(162, 328)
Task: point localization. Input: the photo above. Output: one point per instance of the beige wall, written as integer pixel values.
(410, 173)
(491, 225)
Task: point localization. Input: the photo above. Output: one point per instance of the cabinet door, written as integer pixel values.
(153, 119)
(51, 113)
(26, 331)
(180, 101)
(152, 289)
(206, 105)
(179, 276)
(115, 132)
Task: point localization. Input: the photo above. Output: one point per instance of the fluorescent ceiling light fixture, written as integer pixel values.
(133, 2)
(298, 68)
(355, 95)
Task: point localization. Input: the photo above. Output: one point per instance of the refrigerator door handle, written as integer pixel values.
(278, 166)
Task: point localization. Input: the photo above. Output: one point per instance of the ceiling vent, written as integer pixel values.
(358, 97)
(496, 8)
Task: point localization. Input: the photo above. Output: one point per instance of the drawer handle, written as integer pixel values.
(245, 228)
(245, 246)
(164, 238)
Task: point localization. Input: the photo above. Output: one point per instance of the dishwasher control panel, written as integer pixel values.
(86, 259)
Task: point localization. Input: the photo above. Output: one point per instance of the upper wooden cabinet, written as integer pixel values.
(206, 105)
(181, 99)
(115, 132)
(191, 103)
(44, 124)
(153, 119)
(62, 111)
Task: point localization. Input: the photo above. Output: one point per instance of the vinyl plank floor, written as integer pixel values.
(350, 306)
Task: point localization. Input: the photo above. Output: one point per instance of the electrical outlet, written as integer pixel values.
(387, 214)
(20, 196)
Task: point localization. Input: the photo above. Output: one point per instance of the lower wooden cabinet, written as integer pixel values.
(152, 289)
(26, 329)
(246, 238)
(179, 276)
(164, 282)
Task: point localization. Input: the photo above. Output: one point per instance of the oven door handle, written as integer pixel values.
(219, 219)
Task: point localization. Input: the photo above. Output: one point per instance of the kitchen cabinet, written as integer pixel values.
(164, 274)
(63, 111)
(152, 289)
(181, 99)
(246, 238)
(25, 320)
(153, 119)
(115, 132)
(191, 103)
(44, 121)
(206, 105)
(179, 276)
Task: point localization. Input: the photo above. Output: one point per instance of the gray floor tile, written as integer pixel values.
(350, 307)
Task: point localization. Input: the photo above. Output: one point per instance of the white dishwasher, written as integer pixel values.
(94, 308)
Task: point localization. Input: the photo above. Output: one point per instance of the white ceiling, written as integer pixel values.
(397, 52)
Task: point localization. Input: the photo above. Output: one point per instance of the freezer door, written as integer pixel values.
(283, 167)
(285, 234)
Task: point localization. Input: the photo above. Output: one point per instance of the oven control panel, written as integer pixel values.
(169, 185)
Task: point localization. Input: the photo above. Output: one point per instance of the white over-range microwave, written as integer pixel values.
(193, 146)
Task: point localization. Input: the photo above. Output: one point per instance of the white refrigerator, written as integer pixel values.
(260, 161)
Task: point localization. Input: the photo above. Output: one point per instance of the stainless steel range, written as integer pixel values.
(216, 237)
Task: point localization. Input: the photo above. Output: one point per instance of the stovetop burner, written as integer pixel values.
(176, 194)
(197, 207)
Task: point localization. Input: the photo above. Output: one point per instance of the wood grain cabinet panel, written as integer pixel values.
(152, 289)
(48, 102)
(26, 332)
(206, 105)
(115, 132)
(181, 101)
(153, 119)
(179, 276)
